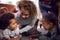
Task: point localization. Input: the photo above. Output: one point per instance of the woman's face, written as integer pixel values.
(13, 24)
(24, 13)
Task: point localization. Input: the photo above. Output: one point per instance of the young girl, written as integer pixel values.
(10, 26)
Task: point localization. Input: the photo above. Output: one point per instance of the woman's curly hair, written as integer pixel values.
(30, 6)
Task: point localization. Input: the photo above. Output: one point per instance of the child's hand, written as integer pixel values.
(19, 36)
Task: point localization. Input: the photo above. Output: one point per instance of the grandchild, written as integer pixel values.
(50, 23)
(10, 26)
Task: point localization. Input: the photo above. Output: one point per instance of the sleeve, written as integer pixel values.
(33, 21)
(5, 34)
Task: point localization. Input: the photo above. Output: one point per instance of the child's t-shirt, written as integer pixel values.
(8, 33)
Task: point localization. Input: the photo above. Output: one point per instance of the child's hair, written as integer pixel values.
(51, 18)
(30, 6)
(4, 20)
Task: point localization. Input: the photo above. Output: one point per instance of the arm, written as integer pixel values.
(28, 27)
(18, 38)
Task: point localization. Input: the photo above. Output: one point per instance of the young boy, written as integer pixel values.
(50, 23)
(10, 26)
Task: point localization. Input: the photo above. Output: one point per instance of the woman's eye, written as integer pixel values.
(13, 23)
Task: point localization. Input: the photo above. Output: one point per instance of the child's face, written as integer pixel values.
(13, 24)
(47, 25)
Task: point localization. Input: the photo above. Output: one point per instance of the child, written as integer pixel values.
(50, 23)
(10, 26)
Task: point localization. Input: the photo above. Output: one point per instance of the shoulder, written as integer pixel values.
(6, 31)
